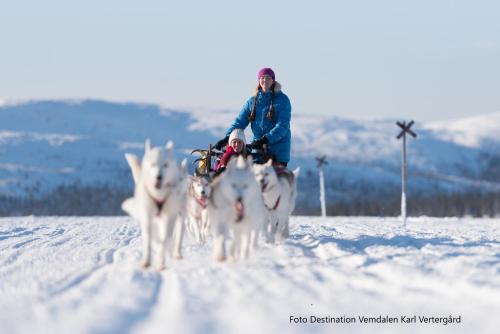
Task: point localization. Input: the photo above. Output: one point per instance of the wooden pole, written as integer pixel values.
(209, 159)
(403, 175)
(322, 191)
(405, 128)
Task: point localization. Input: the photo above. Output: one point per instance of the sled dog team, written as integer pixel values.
(240, 203)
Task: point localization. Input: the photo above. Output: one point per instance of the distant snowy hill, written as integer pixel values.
(478, 132)
(44, 144)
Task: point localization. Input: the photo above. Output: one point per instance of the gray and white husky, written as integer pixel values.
(279, 193)
(235, 207)
(196, 209)
(159, 195)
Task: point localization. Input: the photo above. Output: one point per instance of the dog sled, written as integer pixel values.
(205, 164)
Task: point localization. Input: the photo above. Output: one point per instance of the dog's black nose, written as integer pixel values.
(159, 177)
(203, 193)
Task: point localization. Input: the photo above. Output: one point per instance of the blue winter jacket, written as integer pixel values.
(277, 130)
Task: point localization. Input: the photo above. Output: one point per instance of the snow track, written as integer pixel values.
(80, 275)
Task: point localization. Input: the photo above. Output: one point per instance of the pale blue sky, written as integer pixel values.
(425, 60)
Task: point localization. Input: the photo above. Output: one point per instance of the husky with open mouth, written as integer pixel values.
(235, 207)
(196, 210)
(279, 192)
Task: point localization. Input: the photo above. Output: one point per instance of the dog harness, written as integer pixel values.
(275, 205)
(159, 204)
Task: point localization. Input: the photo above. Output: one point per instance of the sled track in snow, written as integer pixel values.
(81, 275)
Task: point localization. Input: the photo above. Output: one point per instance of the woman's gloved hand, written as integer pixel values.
(258, 143)
(221, 143)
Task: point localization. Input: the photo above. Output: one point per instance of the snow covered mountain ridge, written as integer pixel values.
(477, 131)
(44, 144)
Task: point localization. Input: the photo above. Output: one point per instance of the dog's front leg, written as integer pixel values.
(199, 225)
(265, 227)
(190, 221)
(205, 225)
(286, 229)
(146, 231)
(236, 245)
(271, 228)
(162, 241)
(283, 231)
(193, 226)
(245, 244)
(196, 229)
(254, 238)
(178, 236)
(219, 243)
(171, 231)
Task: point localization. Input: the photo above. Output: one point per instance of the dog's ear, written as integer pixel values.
(135, 166)
(205, 181)
(169, 145)
(147, 145)
(249, 162)
(296, 172)
(184, 166)
(231, 165)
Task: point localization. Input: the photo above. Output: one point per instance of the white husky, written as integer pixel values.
(197, 200)
(236, 206)
(158, 196)
(279, 193)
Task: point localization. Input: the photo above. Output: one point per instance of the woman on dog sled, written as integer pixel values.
(268, 112)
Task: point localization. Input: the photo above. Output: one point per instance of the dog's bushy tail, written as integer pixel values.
(135, 166)
(129, 207)
(293, 185)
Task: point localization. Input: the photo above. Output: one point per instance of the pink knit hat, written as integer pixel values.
(266, 71)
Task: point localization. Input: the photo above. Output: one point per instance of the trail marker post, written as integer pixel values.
(405, 128)
(322, 161)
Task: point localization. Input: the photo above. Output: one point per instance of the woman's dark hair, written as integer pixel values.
(270, 114)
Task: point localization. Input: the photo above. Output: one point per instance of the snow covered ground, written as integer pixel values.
(80, 275)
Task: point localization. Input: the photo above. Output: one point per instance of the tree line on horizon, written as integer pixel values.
(103, 200)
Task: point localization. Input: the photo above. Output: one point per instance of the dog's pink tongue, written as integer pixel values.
(240, 210)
